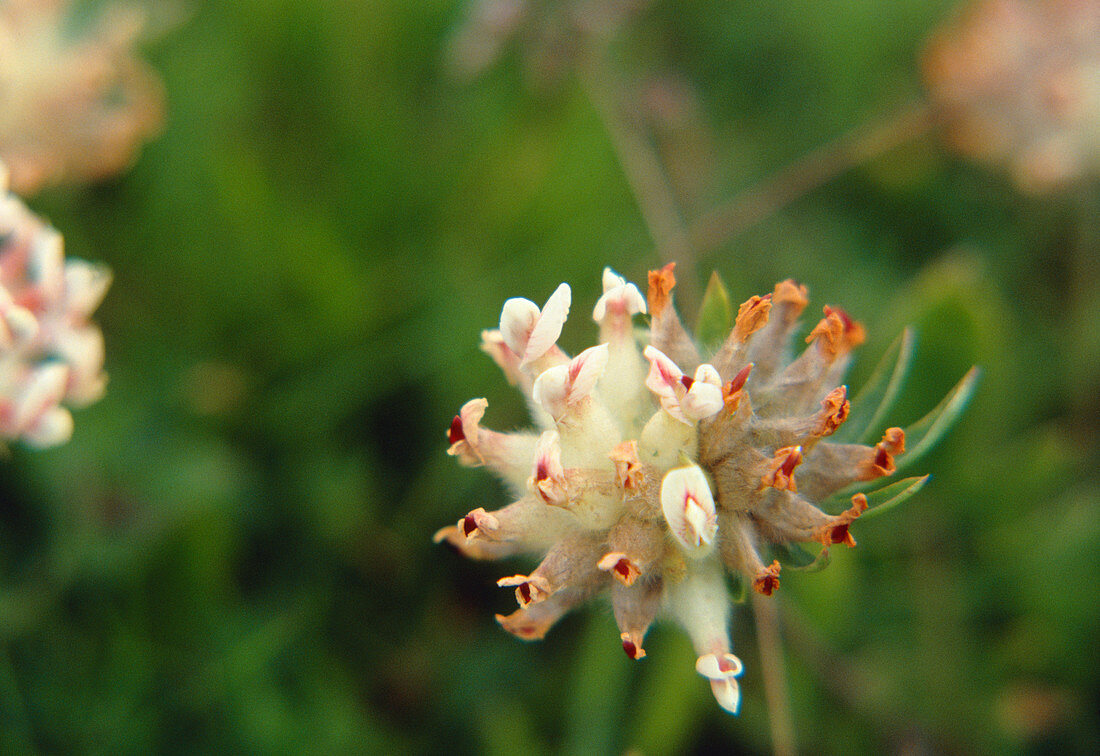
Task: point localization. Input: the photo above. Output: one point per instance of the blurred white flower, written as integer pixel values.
(75, 102)
(50, 351)
(1019, 83)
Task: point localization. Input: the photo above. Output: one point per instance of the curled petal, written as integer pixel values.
(781, 467)
(628, 468)
(620, 566)
(837, 531)
(632, 645)
(882, 463)
(719, 666)
(517, 320)
(548, 327)
(704, 397)
(837, 333)
(463, 433)
(686, 399)
(752, 315)
(766, 581)
(722, 671)
(530, 332)
(834, 411)
(665, 378)
(548, 481)
(688, 506)
(661, 283)
(529, 589)
(493, 344)
(619, 297)
(727, 693)
(478, 522)
(559, 387)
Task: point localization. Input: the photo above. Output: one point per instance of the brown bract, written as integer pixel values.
(661, 283)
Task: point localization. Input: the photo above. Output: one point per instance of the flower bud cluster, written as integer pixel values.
(50, 351)
(1019, 82)
(74, 105)
(654, 469)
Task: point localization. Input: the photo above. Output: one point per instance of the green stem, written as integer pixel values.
(867, 141)
(766, 614)
(645, 175)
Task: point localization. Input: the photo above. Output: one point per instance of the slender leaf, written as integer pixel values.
(794, 557)
(878, 395)
(715, 314)
(924, 434)
(888, 497)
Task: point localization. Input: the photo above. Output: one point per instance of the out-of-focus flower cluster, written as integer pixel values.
(75, 102)
(1019, 84)
(50, 351)
(656, 469)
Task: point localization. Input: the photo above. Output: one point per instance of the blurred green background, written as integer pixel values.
(234, 554)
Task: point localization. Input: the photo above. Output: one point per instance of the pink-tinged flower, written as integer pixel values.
(50, 351)
(75, 102)
(1019, 84)
(651, 484)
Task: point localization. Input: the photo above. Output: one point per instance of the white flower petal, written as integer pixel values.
(618, 295)
(561, 386)
(611, 279)
(548, 480)
(470, 416)
(665, 378)
(517, 320)
(548, 325)
(85, 286)
(688, 506)
(727, 693)
(701, 401)
(585, 369)
(551, 389)
(719, 666)
(706, 373)
(53, 427)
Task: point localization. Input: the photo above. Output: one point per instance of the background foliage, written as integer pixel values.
(234, 554)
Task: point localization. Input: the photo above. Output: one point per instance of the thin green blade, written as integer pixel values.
(924, 434)
(888, 497)
(877, 396)
(793, 557)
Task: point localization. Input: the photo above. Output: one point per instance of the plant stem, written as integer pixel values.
(866, 141)
(766, 614)
(645, 175)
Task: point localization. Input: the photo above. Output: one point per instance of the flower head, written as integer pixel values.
(73, 105)
(50, 351)
(656, 470)
(1020, 85)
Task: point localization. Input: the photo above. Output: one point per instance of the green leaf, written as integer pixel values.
(793, 557)
(878, 395)
(924, 434)
(715, 314)
(888, 497)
